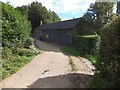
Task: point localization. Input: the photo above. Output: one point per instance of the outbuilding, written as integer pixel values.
(59, 32)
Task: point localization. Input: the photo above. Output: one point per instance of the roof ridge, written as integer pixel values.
(67, 24)
(61, 21)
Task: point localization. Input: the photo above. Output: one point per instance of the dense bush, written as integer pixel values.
(87, 43)
(15, 28)
(25, 52)
(29, 42)
(28, 52)
(15, 34)
(108, 63)
(11, 61)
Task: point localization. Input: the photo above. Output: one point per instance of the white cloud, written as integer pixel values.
(63, 19)
(59, 6)
(114, 8)
(66, 6)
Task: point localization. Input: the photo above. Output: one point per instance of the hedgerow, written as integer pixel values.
(87, 43)
(108, 62)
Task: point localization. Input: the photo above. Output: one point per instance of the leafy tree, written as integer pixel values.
(85, 26)
(53, 17)
(15, 27)
(104, 12)
(38, 13)
(97, 16)
(24, 10)
(35, 14)
(91, 13)
(86, 23)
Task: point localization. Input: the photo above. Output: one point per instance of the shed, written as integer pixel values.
(59, 32)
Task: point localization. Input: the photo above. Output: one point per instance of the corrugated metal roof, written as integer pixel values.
(68, 24)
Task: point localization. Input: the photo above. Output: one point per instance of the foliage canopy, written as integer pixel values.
(15, 28)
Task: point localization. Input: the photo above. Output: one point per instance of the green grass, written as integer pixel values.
(73, 52)
(14, 65)
(13, 61)
(72, 64)
(70, 51)
(92, 58)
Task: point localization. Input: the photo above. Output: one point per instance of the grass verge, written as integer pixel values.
(16, 63)
(72, 64)
(73, 52)
(13, 60)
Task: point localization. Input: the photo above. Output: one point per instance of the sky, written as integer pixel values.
(65, 9)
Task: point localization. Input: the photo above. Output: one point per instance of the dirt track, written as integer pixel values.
(50, 69)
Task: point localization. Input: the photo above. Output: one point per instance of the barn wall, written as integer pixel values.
(61, 37)
(53, 36)
(65, 37)
(50, 36)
